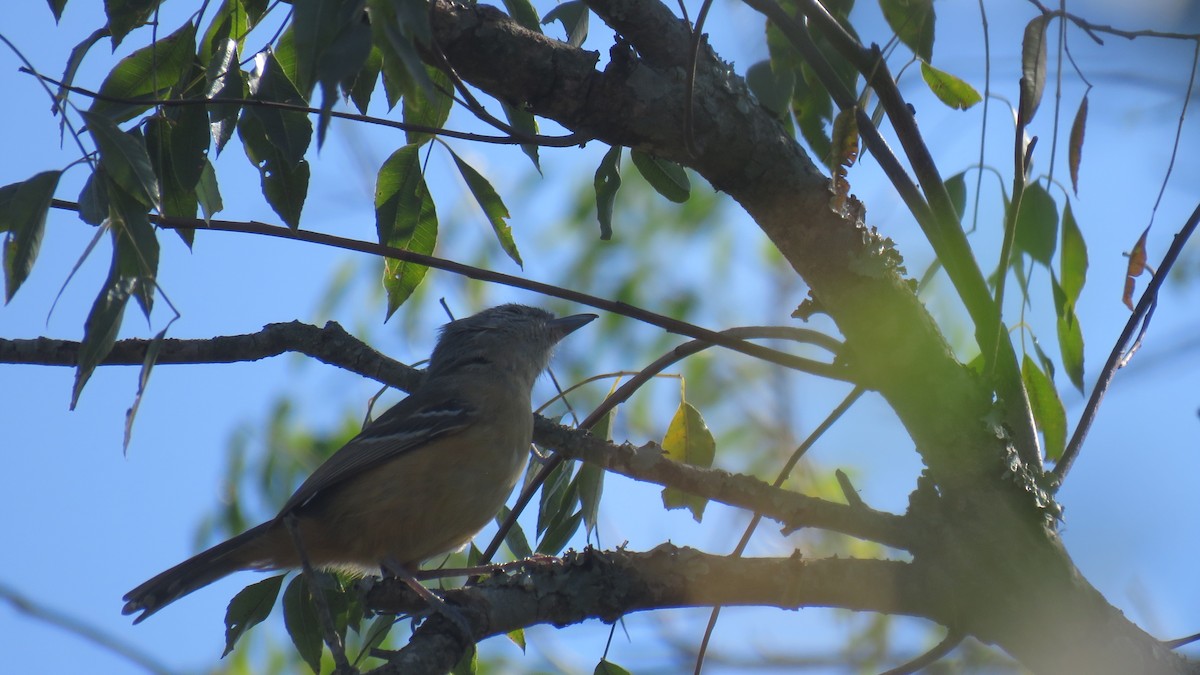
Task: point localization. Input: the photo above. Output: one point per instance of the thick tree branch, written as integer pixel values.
(793, 510)
(607, 585)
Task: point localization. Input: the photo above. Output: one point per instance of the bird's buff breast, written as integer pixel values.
(380, 515)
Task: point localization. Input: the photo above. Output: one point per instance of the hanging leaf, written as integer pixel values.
(912, 21)
(524, 13)
(515, 540)
(1037, 224)
(102, 325)
(949, 89)
(524, 121)
(405, 217)
(606, 183)
(1033, 67)
(302, 623)
(149, 73)
(1073, 261)
(493, 207)
(573, 15)
(225, 81)
(23, 210)
(1075, 149)
(667, 178)
(689, 441)
(1137, 265)
(772, 89)
(250, 607)
(1047, 408)
(124, 158)
(56, 8)
(125, 15)
(1070, 335)
(428, 110)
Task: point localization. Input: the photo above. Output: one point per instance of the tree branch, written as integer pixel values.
(607, 585)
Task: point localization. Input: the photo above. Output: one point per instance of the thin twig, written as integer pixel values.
(947, 645)
(835, 372)
(782, 476)
(1148, 299)
(80, 629)
(566, 141)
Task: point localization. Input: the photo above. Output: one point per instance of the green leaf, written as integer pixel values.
(772, 89)
(606, 183)
(492, 206)
(93, 198)
(813, 109)
(557, 499)
(177, 143)
(524, 13)
(1075, 149)
(289, 131)
(1070, 335)
(225, 80)
(102, 325)
(149, 73)
(302, 623)
(468, 663)
(250, 607)
(333, 41)
(23, 217)
(606, 667)
(255, 8)
(1073, 262)
(124, 158)
(125, 15)
(573, 15)
(1033, 67)
(405, 217)
(517, 637)
(360, 87)
(516, 540)
(668, 178)
(559, 533)
(207, 192)
(231, 23)
(589, 480)
(396, 26)
(1048, 409)
(56, 8)
(73, 61)
(688, 441)
(136, 244)
(143, 381)
(284, 184)
(949, 89)
(378, 631)
(314, 25)
(956, 187)
(523, 120)
(1037, 224)
(912, 21)
(432, 112)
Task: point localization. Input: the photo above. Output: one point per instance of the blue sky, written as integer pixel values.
(84, 523)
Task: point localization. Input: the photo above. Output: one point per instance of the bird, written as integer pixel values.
(417, 482)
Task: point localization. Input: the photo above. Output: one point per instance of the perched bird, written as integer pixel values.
(419, 481)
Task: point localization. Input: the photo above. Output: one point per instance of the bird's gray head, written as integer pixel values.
(513, 340)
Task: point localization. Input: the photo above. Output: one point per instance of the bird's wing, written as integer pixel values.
(406, 427)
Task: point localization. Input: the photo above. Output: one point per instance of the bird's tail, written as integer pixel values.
(241, 552)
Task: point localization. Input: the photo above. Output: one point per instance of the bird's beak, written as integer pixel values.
(569, 324)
